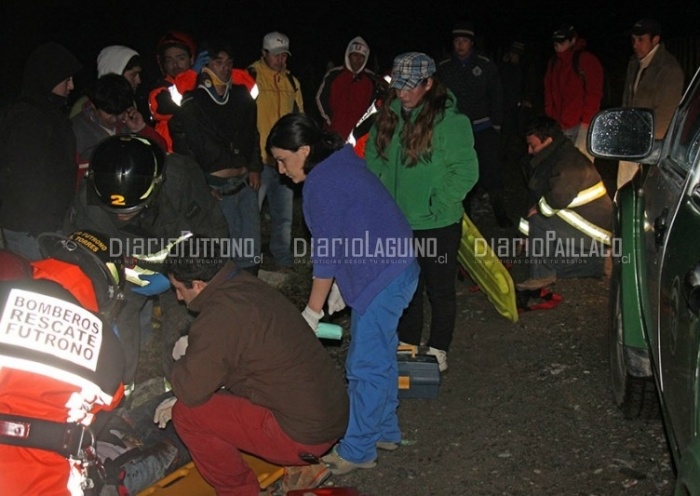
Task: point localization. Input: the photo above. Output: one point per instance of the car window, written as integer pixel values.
(686, 139)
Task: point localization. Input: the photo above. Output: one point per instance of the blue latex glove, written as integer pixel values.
(157, 284)
(202, 59)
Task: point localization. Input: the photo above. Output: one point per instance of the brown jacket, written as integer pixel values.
(249, 340)
(660, 88)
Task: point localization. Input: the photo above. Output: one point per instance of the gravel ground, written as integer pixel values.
(525, 408)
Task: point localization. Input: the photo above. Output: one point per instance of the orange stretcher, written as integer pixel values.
(187, 481)
(485, 268)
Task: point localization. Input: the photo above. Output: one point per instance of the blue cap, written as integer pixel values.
(410, 69)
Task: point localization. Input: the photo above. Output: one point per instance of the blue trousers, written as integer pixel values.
(243, 217)
(280, 198)
(372, 370)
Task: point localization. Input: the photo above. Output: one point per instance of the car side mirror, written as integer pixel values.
(622, 134)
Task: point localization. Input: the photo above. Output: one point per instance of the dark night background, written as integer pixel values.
(320, 30)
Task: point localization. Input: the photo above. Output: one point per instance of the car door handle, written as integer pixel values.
(691, 289)
(660, 228)
(695, 195)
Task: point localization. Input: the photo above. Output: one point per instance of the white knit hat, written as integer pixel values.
(113, 59)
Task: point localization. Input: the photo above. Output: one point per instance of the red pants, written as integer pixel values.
(217, 431)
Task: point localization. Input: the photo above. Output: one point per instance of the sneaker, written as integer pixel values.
(387, 446)
(339, 465)
(304, 477)
(535, 284)
(441, 357)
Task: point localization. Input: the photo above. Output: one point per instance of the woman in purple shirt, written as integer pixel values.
(362, 249)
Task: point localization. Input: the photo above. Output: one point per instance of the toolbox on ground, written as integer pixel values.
(187, 481)
(419, 375)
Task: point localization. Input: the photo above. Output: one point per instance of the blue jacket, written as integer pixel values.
(359, 235)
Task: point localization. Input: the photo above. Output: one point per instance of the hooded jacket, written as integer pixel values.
(113, 59)
(37, 146)
(573, 97)
(344, 95)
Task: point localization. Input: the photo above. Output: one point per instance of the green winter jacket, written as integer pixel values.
(430, 193)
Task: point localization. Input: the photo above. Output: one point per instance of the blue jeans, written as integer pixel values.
(22, 243)
(243, 217)
(280, 199)
(372, 370)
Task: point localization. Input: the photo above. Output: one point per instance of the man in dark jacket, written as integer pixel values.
(569, 224)
(37, 151)
(251, 376)
(143, 202)
(473, 78)
(217, 126)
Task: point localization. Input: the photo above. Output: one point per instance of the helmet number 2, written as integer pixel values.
(118, 200)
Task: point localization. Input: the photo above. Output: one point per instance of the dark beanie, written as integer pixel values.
(48, 65)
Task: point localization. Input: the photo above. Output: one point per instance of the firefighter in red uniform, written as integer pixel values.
(61, 364)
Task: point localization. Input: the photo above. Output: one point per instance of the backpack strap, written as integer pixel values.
(291, 81)
(294, 87)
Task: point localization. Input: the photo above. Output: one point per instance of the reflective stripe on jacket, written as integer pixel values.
(572, 218)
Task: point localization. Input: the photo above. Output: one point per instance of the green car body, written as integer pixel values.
(655, 283)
